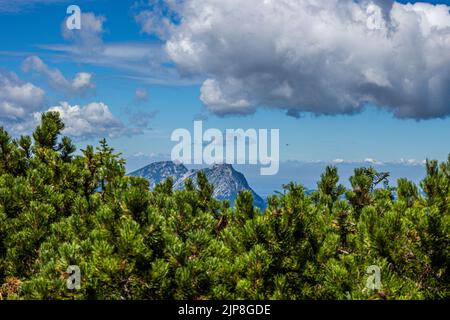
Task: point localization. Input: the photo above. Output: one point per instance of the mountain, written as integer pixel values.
(158, 172)
(226, 180)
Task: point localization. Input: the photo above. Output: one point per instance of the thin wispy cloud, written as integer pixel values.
(145, 61)
(14, 6)
(142, 119)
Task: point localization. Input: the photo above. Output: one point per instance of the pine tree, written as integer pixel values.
(59, 209)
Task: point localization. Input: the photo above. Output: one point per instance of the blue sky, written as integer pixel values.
(138, 62)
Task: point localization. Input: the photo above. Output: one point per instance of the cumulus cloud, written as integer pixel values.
(21, 104)
(326, 57)
(89, 121)
(80, 84)
(93, 120)
(225, 99)
(18, 99)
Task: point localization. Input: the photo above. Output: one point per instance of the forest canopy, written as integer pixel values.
(58, 209)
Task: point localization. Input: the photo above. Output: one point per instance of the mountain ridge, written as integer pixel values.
(226, 180)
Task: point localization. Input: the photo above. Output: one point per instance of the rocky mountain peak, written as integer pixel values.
(226, 180)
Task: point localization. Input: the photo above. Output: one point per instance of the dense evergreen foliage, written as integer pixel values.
(59, 209)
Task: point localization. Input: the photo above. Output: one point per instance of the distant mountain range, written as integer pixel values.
(226, 180)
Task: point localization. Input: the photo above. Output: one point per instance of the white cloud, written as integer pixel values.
(18, 99)
(134, 58)
(79, 85)
(221, 102)
(21, 104)
(412, 162)
(139, 154)
(373, 161)
(89, 37)
(323, 57)
(156, 16)
(92, 120)
(82, 81)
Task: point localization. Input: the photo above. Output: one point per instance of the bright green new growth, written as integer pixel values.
(59, 209)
